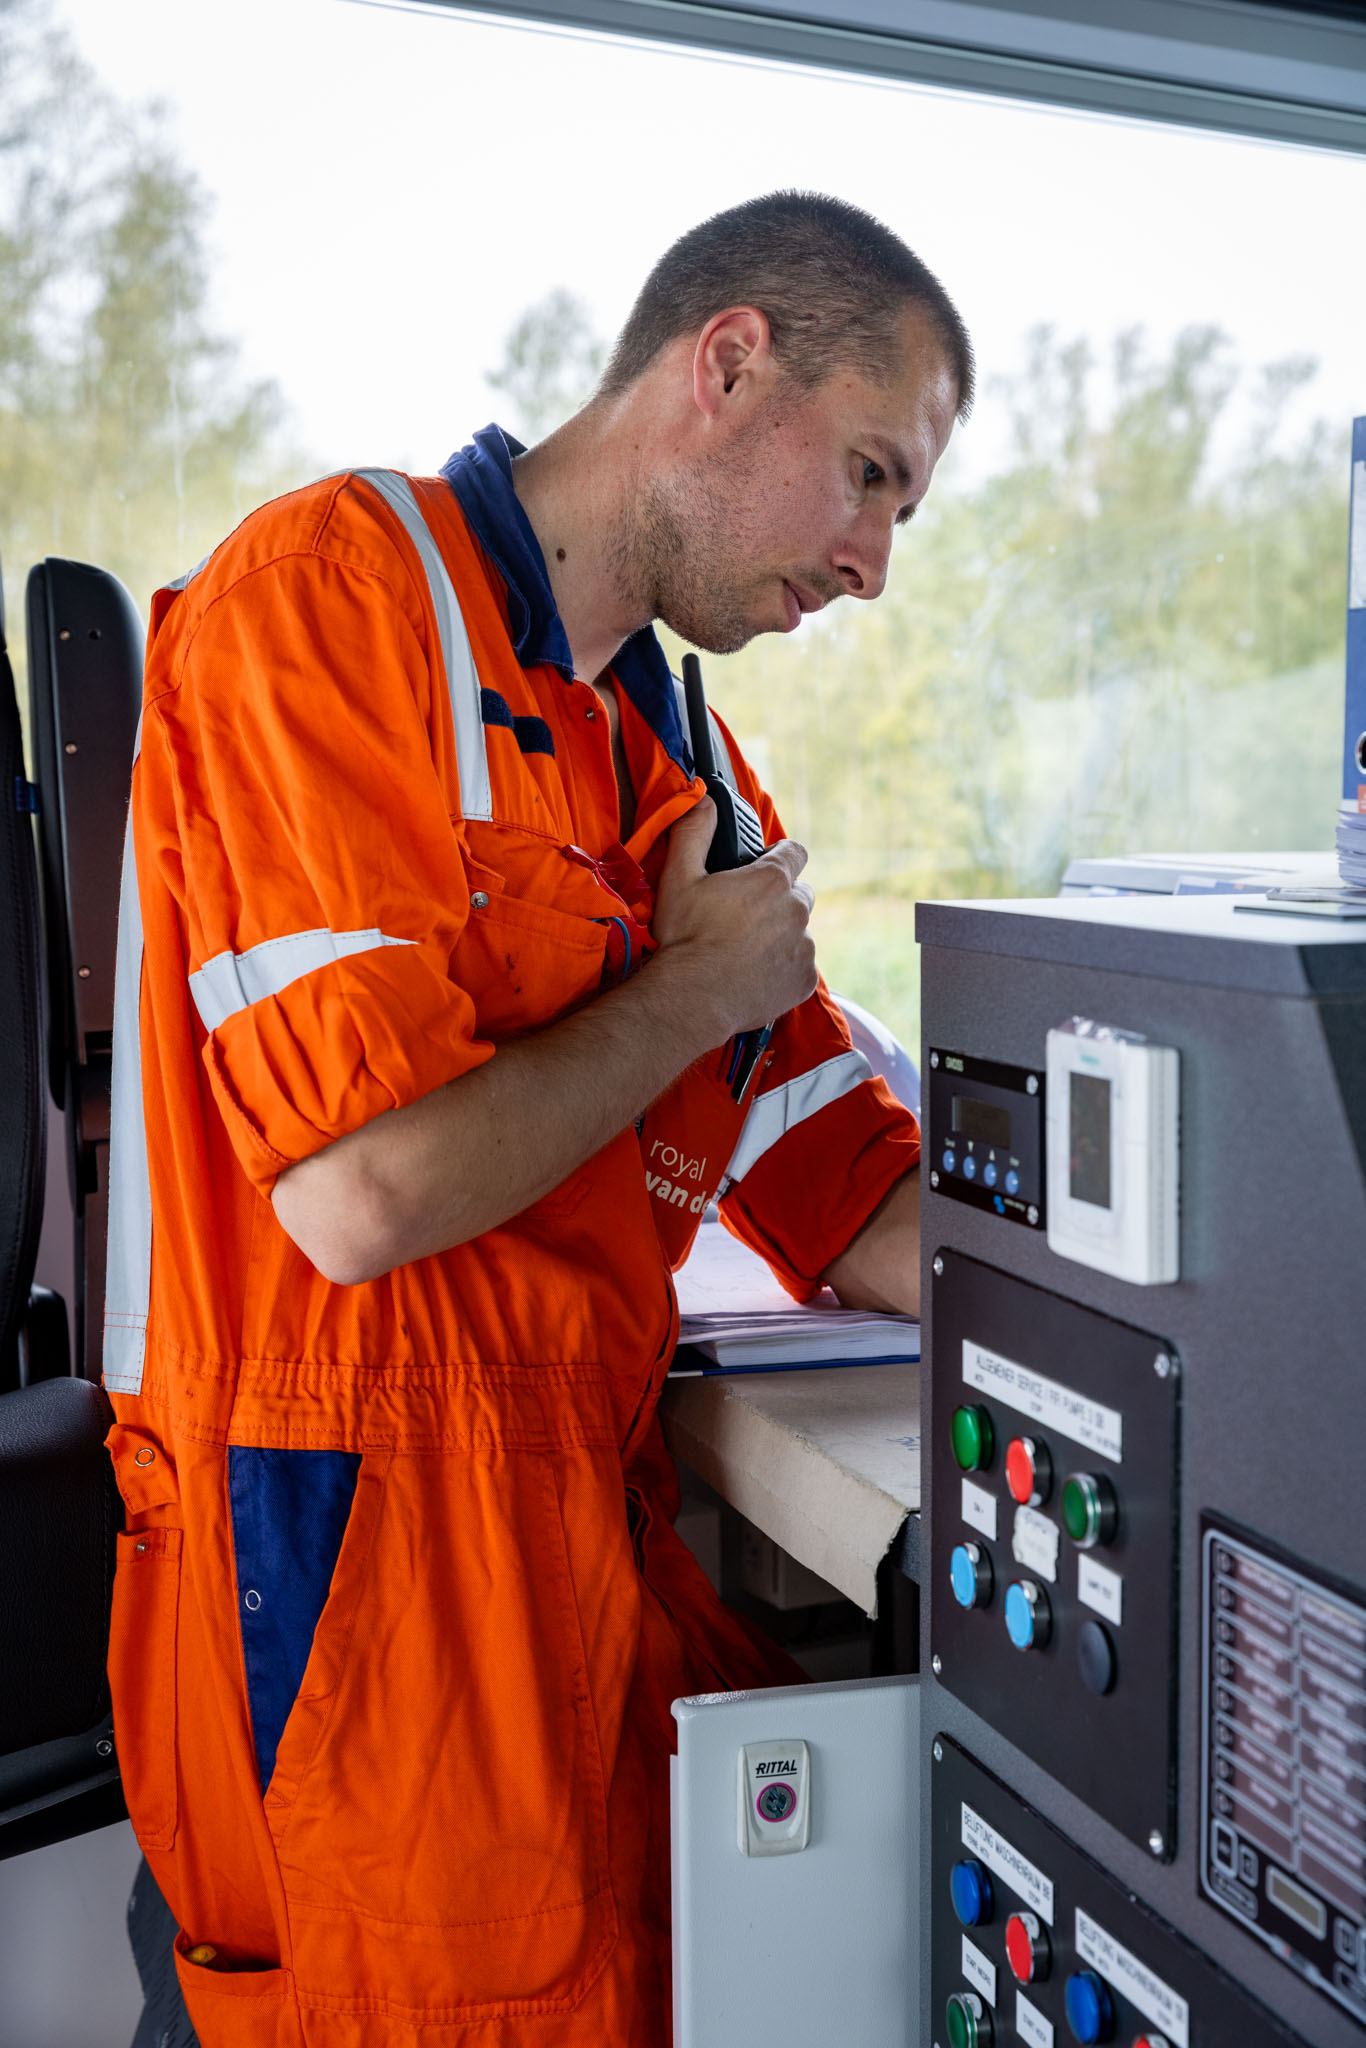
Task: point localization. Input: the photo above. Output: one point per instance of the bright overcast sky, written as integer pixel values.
(391, 188)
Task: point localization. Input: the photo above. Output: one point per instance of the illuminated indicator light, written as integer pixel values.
(973, 1438)
(1027, 1949)
(970, 1890)
(1150, 2041)
(1029, 1471)
(970, 1575)
(1090, 2011)
(1028, 1616)
(967, 2021)
(1089, 1510)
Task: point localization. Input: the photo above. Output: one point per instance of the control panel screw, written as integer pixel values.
(938, 1267)
(1032, 1085)
(939, 1752)
(934, 1059)
(1157, 1842)
(934, 1177)
(104, 1747)
(936, 1665)
(1162, 1365)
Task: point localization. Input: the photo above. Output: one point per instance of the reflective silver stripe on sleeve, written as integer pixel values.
(234, 981)
(462, 681)
(128, 1259)
(778, 1111)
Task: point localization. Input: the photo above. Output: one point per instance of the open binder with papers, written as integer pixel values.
(735, 1317)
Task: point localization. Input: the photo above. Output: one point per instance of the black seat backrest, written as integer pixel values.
(23, 1116)
(85, 644)
(59, 1509)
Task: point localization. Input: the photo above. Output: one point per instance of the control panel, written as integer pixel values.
(985, 1135)
(1054, 1460)
(1033, 1943)
(1283, 1777)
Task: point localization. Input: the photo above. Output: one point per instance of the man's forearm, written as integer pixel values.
(465, 1158)
(881, 1267)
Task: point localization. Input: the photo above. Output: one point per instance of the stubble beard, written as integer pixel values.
(677, 557)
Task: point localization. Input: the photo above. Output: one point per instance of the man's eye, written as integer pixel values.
(872, 474)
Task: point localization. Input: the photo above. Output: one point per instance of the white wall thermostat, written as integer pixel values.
(1113, 1123)
(775, 1798)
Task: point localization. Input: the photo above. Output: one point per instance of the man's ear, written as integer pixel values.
(733, 357)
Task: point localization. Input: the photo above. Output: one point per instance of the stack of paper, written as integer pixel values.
(1352, 845)
(736, 1318)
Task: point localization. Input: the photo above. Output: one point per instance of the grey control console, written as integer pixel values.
(1144, 1614)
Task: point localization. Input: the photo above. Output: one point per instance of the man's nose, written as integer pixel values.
(861, 564)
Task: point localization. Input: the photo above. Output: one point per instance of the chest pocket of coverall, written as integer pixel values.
(525, 961)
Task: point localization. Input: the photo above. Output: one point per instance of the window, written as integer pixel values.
(1117, 623)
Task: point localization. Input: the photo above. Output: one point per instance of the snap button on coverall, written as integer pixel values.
(399, 1610)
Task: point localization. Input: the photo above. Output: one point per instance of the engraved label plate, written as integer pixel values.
(1066, 1412)
(979, 1509)
(1034, 1543)
(1100, 1588)
(1142, 1986)
(1010, 1866)
(979, 1970)
(1030, 2024)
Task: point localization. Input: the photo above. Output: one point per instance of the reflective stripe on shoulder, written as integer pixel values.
(128, 1260)
(180, 582)
(725, 767)
(234, 981)
(462, 681)
(778, 1111)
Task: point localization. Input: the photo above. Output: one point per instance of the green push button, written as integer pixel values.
(1089, 1510)
(973, 1438)
(967, 2021)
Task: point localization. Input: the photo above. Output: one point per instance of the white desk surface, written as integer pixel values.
(825, 1462)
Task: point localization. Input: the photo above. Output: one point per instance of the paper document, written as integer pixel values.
(737, 1315)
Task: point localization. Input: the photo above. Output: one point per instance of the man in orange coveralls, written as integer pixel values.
(426, 1015)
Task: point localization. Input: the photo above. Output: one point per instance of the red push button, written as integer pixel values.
(1150, 2041)
(1029, 1471)
(1027, 1948)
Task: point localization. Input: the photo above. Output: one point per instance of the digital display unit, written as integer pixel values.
(984, 1135)
(1089, 1158)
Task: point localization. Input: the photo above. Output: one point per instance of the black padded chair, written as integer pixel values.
(58, 1506)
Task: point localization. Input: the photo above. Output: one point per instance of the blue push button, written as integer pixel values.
(1012, 1182)
(989, 1174)
(1028, 1616)
(971, 1890)
(969, 1168)
(1090, 2013)
(970, 1575)
(950, 1160)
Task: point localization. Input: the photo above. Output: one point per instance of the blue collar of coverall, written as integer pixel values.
(481, 477)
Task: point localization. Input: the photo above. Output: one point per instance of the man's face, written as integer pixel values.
(798, 505)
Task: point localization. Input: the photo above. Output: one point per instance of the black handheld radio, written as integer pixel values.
(737, 840)
(739, 837)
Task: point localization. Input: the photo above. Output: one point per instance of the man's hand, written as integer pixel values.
(733, 954)
(737, 942)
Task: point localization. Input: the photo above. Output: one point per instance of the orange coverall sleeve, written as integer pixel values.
(323, 886)
(809, 1191)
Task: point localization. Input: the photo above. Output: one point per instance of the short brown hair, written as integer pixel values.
(831, 281)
